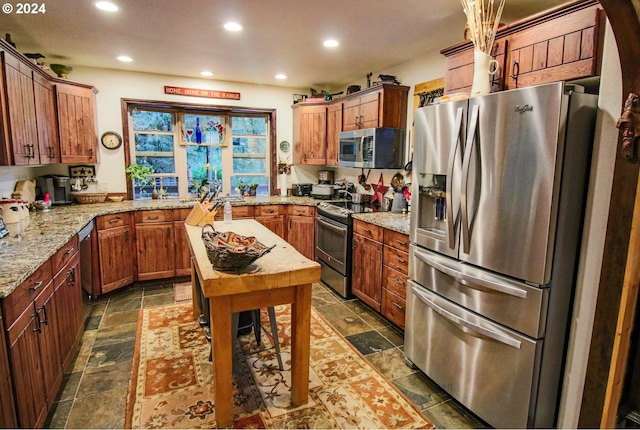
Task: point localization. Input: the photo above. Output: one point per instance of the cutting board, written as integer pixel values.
(25, 190)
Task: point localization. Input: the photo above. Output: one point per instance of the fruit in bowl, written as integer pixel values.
(61, 70)
(42, 205)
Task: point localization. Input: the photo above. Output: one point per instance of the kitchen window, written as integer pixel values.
(192, 151)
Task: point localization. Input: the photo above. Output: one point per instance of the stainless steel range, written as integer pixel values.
(334, 233)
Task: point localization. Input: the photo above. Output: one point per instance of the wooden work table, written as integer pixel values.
(281, 276)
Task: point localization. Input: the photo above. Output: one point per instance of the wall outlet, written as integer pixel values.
(103, 187)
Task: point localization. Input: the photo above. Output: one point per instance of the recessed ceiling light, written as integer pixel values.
(106, 5)
(232, 26)
(331, 43)
(281, 76)
(206, 73)
(124, 58)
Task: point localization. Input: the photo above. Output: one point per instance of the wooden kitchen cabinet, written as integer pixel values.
(378, 106)
(19, 125)
(76, 123)
(155, 244)
(366, 276)
(395, 271)
(237, 212)
(309, 133)
(68, 291)
(561, 44)
(272, 217)
(301, 229)
(33, 347)
(183, 255)
(334, 127)
(45, 106)
(7, 405)
(116, 256)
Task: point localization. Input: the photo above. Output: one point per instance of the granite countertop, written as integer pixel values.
(49, 231)
(389, 220)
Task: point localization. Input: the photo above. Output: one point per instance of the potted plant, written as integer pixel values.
(252, 188)
(241, 186)
(141, 175)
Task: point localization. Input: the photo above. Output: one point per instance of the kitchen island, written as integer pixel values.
(281, 276)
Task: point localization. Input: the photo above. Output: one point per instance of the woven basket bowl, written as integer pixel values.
(90, 197)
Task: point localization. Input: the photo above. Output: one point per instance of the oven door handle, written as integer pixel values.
(469, 280)
(332, 227)
(461, 322)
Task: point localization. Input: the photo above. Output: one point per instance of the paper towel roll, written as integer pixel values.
(283, 185)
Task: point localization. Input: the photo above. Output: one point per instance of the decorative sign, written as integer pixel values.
(195, 92)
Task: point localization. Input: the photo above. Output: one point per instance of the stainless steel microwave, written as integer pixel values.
(373, 148)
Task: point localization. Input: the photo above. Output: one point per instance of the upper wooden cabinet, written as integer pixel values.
(317, 126)
(309, 133)
(43, 119)
(558, 45)
(76, 123)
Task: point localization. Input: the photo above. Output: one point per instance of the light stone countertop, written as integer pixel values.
(51, 230)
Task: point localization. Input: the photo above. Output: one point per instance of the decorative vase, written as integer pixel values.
(154, 193)
(483, 67)
(252, 190)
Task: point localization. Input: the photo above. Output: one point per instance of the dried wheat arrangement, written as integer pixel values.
(483, 19)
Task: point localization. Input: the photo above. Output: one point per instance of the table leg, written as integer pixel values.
(222, 360)
(300, 344)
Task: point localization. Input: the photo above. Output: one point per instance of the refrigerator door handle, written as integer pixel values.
(460, 322)
(455, 147)
(471, 138)
(470, 280)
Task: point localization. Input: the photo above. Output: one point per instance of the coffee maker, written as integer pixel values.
(58, 187)
(325, 177)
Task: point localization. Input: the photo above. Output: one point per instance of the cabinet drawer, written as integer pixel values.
(181, 214)
(396, 259)
(397, 240)
(368, 230)
(64, 255)
(268, 210)
(237, 212)
(394, 281)
(111, 221)
(393, 307)
(22, 297)
(153, 216)
(301, 210)
(70, 272)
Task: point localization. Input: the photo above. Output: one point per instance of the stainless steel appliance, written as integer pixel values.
(87, 241)
(372, 148)
(300, 190)
(58, 187)
(325, 177)
(334, 236)
(498, 192)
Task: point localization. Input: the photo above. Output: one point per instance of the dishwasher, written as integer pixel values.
(86, 245)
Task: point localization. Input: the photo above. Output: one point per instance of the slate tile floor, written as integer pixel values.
(94, 393)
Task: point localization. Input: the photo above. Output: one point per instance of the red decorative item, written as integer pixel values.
(378, 191)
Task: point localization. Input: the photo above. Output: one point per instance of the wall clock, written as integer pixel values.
(111, 140)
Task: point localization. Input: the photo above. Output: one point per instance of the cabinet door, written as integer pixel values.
(26, 370)
(7, 405)
(183, 254)
(273, 223)
(117, 260)
(21, 111)
(47, 306)
(366, 280)
(334, 127)
(46, 119)
(567, 47)
(76, 124)
(71, 321)
(310, 134)
(369, 110)
(301, 235)
(351, 114)
(155, 251)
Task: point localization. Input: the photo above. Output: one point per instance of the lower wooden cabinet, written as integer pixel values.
(117, 259)
(272, 217)
(155, 244)
(183, 255)
(7, 404)
(366, 278)
(301, 229)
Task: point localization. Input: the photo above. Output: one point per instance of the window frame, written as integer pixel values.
(127, 104)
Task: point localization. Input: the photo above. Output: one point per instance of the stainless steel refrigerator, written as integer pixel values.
(498, 186)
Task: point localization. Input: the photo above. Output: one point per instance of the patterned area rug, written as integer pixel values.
(171, 384)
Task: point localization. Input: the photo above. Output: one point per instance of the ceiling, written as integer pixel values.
(184, 37)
